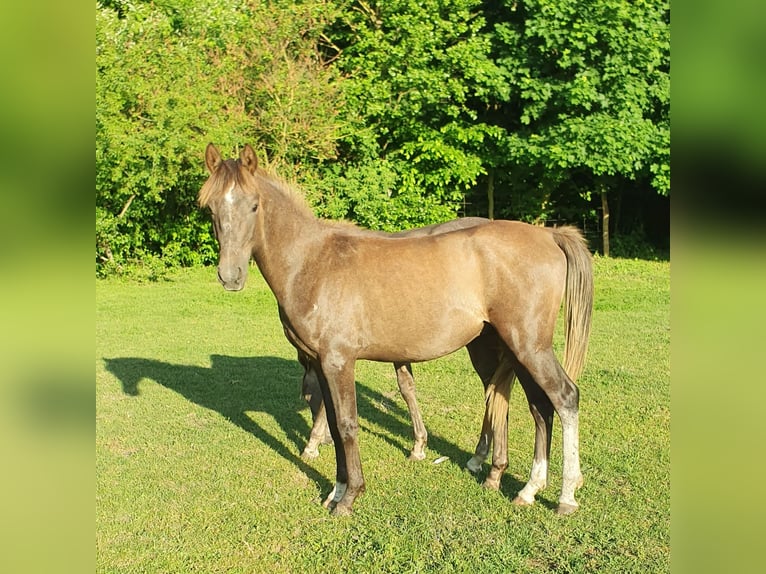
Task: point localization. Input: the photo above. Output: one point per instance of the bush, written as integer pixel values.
(171, 78)
(635, 246)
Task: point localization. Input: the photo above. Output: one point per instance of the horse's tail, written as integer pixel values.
(578, 297)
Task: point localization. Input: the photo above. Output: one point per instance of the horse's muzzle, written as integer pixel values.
(232, 279)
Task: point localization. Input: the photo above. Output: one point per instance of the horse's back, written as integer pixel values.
(429, 295)
(499, 251)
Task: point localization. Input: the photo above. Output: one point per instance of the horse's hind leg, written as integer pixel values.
(320, 432)
(407, 389)
(485, 440)
(542, 411)
(497, 413)
(484, 354)
(540, 367)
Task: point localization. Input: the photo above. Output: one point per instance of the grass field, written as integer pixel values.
(200, 425)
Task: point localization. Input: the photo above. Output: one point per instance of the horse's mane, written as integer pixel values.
(295, 198)
(292, 199)
(232, 169)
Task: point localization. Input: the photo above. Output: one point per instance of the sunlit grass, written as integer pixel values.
(200, 425)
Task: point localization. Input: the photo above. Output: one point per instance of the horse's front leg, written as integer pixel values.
(407, 388)
(339, 390)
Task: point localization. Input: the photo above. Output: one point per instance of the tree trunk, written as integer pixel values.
(491, 194)
(604, 222)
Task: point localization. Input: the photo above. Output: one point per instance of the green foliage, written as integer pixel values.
(371, 194)
(634, 246)
(391, 114)
(417, 70)
(173, 76)
(592, 89)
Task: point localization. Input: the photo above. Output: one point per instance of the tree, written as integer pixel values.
(593, 91)
(589, 91)
(392, 114)
(416, 71)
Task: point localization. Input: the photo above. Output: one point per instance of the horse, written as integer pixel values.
(345, 295)
(320, 432)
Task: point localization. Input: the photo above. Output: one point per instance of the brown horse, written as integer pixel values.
(345, 294)
(320, 431)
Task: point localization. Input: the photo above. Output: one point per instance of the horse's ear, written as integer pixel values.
(212, 158)
(248, 159)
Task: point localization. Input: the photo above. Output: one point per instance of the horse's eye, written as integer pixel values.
(255, 208)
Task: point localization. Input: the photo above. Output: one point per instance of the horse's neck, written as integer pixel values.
(288, 238)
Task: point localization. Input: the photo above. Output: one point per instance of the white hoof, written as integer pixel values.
(309, 453)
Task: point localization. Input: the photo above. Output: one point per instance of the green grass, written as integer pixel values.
(200, 425)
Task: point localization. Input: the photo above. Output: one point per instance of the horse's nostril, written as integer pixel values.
(232, 278)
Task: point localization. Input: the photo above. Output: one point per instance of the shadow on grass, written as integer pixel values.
(233, 386)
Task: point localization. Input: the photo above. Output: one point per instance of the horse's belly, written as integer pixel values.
(414, 338)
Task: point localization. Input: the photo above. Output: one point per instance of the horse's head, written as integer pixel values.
(230, 195)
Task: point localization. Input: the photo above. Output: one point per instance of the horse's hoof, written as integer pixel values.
(491, 484)
(417, 456)
(518, 501)
(341, 510)
(565, 509)
(309, 454)
(329, 503)
(473, 466)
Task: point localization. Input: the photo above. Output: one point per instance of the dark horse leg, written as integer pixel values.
(484, 352)
(498, 394)
(542, 411)
(320, 432)
(336, 379)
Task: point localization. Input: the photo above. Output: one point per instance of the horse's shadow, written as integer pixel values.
(234, 386)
